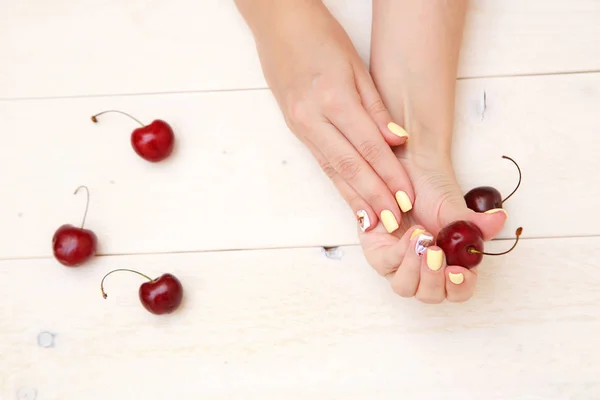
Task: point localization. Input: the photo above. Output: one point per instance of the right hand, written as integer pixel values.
(331, 104)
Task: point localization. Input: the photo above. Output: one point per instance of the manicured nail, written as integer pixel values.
(416, 232)
(495, 210)
(363, 220)
(434, 259)
(403, 201)
(397, 129)
(389, 221)
(423, 242)
(457, 279)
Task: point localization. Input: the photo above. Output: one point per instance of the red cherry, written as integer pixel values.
(152, 142)
(484, 198)
(74, 246)
(462, 243)
(162, 295)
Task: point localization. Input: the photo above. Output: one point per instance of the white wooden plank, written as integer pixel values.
(92, 47)
(239, 179)
(295, 324)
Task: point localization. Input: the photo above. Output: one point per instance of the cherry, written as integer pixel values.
(74, 246)
(484, 198)
(162, 295)
(462, 242)
(152, 142)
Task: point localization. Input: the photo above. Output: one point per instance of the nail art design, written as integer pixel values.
(423, 242)
(416, 232)
(363, 220)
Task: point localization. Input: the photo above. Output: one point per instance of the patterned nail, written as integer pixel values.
(363, 220)
(416, 232)
(423, 242)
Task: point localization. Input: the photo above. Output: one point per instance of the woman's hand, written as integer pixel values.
(330, 102)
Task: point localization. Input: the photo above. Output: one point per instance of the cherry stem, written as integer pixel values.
(518, 233)
(95, 119)
(518, 184)
(121, 269)
(87, 203)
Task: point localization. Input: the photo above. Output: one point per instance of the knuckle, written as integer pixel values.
(327, 168)
(348, 167)
(375, 199)
(299, 113)
(370, 150)
(332, 99)
(376, 108)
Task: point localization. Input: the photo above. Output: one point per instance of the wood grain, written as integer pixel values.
(239, 179)
(293, 323)
(106, 47)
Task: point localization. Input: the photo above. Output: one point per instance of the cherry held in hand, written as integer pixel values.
(162, 295)
(462, 243)
(74, 246)
(484, 198)
(152, 142)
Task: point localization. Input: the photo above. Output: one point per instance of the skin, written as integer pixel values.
(328, 100)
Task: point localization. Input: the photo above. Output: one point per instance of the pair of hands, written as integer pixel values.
(331, 103)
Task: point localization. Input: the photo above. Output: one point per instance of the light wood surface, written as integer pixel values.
(241, 211)
(239, 179)
(293, 322)
(105, 47)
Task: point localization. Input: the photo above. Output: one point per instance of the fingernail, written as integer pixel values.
(389, 221)
(397, 129)
(415, 233)
(495, 210)
(363, 220)
(457, 279)
(434, 259)
(423, 242)
(403, 201)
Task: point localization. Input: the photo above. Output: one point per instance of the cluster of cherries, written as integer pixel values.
(462, 241)
(74, 246)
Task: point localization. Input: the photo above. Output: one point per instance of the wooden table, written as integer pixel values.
(241, 213)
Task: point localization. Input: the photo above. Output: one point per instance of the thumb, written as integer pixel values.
(490, 223)
(393, 133)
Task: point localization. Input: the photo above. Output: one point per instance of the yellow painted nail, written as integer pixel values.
(403, 201)
(389, 221)
(397, 129)
(495, 210)
(457, 279)
(434, 259)
(416, 233)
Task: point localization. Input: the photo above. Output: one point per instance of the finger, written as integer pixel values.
(490, 223)
(432, 285)
(385, 252)
(406, 279)
(351, 167)
(460, 283)
(393, 133)
(364, 214)
(358, 127)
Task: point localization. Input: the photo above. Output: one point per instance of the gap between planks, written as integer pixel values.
(276, 248)
(264, 88)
